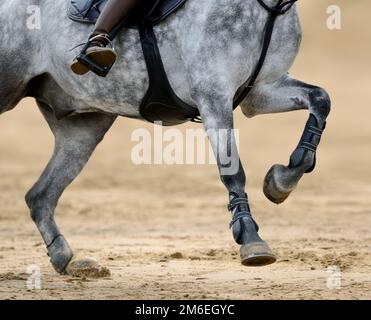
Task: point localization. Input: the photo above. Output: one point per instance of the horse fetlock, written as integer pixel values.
(243, 226)
(60, 254)
(245, 231)
(254, 251)
(303, 160)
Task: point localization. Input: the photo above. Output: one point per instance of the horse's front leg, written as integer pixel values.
(285, 95)
(217, 115)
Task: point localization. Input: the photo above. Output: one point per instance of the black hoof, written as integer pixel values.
(273, 189)
(60, 254)
(257, 254)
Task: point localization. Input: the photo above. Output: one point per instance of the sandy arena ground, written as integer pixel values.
(163, 230)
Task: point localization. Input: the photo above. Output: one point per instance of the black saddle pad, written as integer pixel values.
(154, 11)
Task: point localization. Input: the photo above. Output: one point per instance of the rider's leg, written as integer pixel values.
(113, 13)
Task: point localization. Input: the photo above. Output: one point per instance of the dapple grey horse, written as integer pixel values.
(209, 49)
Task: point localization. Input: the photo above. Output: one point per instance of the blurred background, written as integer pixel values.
(120, 213)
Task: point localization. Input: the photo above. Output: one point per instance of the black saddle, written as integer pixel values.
(160, 103)
(154, 11)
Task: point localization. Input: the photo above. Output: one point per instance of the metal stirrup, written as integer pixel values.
(88, 43)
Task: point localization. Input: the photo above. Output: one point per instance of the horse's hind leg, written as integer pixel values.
(75, 140)
(285, 95)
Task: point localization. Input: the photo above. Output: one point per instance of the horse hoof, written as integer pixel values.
(273, 189)
(87, 268)
(257, 254)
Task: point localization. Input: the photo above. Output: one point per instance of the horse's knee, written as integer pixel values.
(320, 102)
